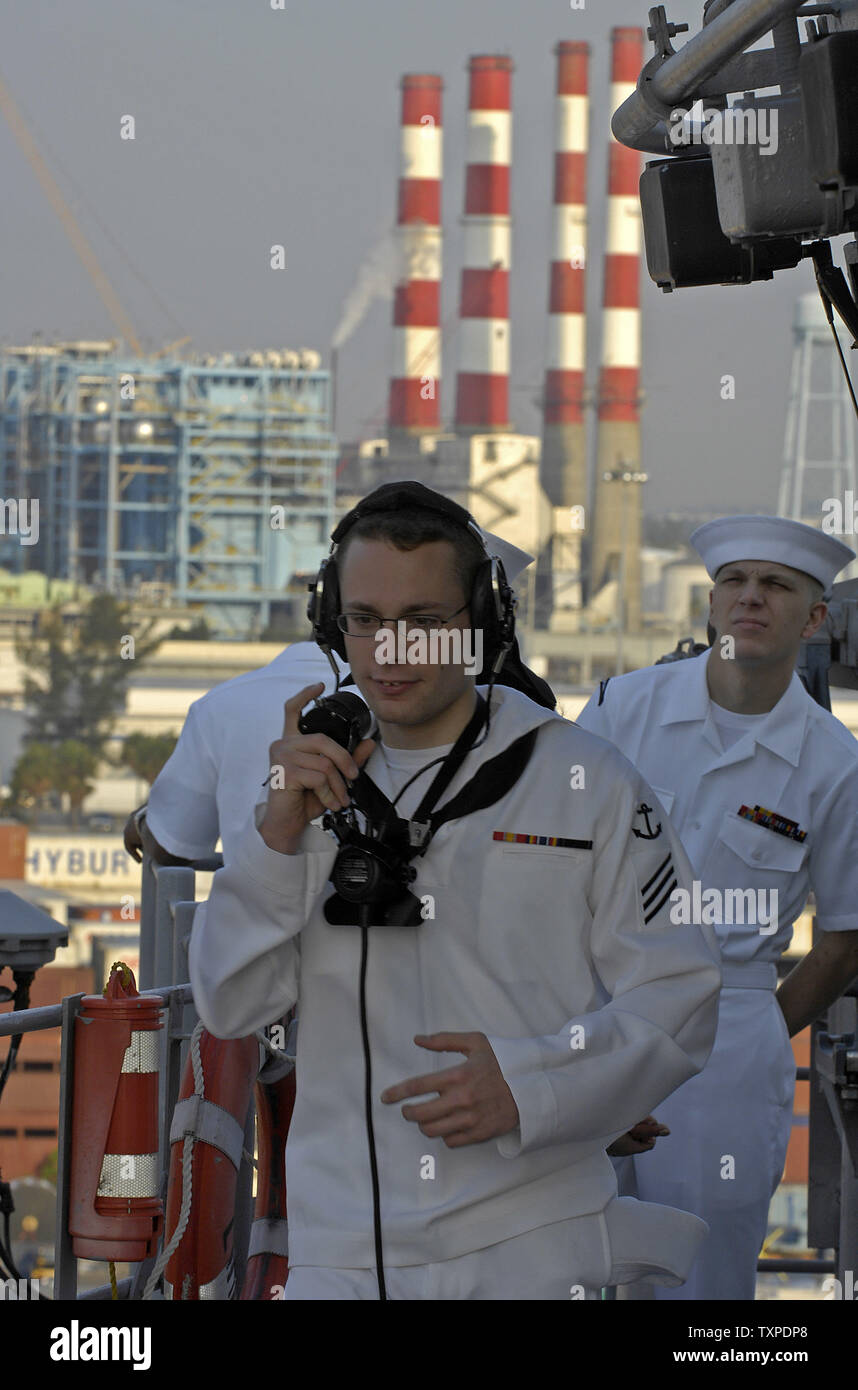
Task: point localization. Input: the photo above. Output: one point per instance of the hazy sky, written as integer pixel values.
(257, 126)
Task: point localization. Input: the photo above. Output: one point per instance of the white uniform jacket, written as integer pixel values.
(221, 759)
(800, 762)
(596, 1006)
(730, 1125)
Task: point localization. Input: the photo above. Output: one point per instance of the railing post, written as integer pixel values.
(183, 921)
(172, 885)
(847, 1253)
(146, 973)
(65, 1261)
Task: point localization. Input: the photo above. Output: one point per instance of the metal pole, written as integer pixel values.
(621, 589)
(641, 120)
(847, 1251)
(65, 1261)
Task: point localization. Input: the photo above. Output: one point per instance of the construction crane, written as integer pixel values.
(55, 197)
(177, 343)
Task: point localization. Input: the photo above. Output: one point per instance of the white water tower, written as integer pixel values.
(819, 443)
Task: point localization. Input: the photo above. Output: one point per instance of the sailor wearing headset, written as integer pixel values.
(540, 1003)
(761, 785)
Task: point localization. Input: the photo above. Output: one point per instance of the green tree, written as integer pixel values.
(146, 754)
(75, 765)
(77, 671)
(33, 776)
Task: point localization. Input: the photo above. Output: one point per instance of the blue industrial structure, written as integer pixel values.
(213, 478)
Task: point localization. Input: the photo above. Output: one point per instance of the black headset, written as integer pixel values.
(492, 601)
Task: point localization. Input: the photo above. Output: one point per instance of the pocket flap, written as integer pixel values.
(760, 848)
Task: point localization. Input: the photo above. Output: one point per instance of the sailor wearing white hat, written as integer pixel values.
(761, 784)
(774, 538)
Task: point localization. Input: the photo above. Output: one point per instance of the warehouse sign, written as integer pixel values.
(79, 861)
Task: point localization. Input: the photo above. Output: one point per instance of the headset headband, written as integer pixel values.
(394, 497)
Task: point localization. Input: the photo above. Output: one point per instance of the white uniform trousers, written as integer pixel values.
(548, 1263)
(566, 1260)
(729, 1131)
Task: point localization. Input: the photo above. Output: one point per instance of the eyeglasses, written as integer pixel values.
(368, 624)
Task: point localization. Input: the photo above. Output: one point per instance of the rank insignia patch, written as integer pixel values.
(658, 888)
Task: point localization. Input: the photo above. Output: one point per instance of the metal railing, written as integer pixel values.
(167, 911)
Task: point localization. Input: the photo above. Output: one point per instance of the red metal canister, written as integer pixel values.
(115, 1212)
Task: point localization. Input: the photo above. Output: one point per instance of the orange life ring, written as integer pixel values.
(268, 1254)
(207, 1135)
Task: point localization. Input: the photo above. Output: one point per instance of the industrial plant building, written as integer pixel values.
(206, 483)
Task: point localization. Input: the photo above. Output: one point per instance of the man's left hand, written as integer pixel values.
(639, 1139)
(474, 1102)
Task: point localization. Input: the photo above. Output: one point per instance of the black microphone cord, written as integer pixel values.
(370, 1132)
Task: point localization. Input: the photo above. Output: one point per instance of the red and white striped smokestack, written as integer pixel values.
(414, 404)
(482, 387)
(618, 504)
(621, 334)
(564, 451)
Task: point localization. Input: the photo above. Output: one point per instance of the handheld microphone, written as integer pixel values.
(343, 717)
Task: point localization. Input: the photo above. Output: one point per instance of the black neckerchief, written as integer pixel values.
(488, 785)
(379, 809)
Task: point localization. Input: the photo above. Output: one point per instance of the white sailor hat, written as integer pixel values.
(514, 561)
(733, 538)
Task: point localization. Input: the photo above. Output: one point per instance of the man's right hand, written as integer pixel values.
(309, 773)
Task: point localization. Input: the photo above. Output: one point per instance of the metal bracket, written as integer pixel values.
(661, 30)
(418, 832)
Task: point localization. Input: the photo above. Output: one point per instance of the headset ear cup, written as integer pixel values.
(483, 616)
(330, 608)
(497, 627)
(323, 608)
(506, 600)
